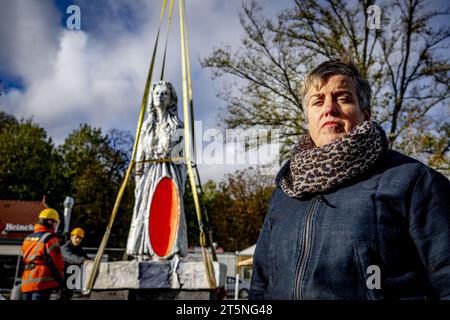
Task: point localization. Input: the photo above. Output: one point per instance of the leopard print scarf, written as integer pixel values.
(312, 170)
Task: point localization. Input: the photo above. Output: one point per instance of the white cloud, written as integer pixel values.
(97, 75)
(28, 38)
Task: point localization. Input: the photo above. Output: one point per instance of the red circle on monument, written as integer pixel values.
(164, 216)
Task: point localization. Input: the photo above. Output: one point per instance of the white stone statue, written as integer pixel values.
(161, 137)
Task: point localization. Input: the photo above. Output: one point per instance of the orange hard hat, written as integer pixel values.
(78, 232)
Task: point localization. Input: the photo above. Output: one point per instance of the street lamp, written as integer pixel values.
(68, 205)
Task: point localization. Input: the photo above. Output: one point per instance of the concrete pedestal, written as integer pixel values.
(152, 280)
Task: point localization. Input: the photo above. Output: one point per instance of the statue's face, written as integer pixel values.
(161, 96)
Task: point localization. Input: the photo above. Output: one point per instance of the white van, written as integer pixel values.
(244, 288)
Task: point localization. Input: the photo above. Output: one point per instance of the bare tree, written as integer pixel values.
(406, 61)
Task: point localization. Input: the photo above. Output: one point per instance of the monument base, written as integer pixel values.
(155, 294)
(153, 280)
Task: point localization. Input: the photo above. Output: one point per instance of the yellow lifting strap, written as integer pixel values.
(208, 225)
(169, 21)
(185, 84)
(191, 103)
(191, 109)
(102, 247)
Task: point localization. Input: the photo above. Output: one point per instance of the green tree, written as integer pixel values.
(406, 61)
(29, 163)
(7, 120)
(209, 192)
(95, 165)
(88, 166)
(237, 207)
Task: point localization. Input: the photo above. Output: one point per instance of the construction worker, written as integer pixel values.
(41, 254)
(73, 254)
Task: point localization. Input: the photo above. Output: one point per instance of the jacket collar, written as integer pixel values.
(41, 228)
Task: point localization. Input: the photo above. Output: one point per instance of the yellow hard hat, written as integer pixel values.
(49, 213)
(78, 232)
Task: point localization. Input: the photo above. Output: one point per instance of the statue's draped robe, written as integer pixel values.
(151, 146)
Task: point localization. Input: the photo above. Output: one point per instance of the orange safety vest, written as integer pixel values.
(43, 260)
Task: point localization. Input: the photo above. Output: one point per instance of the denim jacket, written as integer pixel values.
(384, 235)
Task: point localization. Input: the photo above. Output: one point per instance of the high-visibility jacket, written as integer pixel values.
(43, 260)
